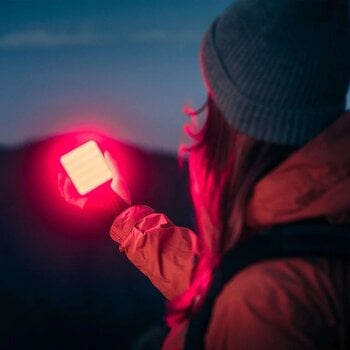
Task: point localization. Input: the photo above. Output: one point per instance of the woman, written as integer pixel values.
(272, 151)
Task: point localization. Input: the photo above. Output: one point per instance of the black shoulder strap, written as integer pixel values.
(293, 240)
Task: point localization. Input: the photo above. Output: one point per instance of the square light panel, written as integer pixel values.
(86, 167)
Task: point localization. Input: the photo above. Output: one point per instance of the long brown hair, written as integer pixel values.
(225, 165)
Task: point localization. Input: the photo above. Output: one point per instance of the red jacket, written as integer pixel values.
(281, 304)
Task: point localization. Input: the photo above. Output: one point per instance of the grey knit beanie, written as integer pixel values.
(279, 69)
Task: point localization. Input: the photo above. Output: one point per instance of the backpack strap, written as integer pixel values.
(292, 240)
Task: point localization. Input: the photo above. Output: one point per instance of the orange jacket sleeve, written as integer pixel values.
(165, 253)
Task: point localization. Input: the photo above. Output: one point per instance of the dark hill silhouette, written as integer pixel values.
(64, 284)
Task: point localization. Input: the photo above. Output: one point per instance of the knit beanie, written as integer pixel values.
(278, 70)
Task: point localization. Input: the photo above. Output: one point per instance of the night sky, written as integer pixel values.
(122, 67)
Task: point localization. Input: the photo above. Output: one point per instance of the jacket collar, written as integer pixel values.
(313, 182)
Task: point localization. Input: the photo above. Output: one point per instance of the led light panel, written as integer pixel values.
(86, 167)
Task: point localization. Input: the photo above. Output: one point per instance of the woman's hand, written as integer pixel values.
(104, 203)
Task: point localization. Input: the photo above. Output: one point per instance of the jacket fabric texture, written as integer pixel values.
(289, 303)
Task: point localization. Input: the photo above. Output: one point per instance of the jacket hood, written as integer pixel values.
(313, 182)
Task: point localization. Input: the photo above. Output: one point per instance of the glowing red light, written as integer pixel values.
(86, 167)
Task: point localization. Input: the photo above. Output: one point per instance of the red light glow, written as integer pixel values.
(43, 194)
(86, 167)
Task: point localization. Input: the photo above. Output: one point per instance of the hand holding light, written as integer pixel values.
(88, 169)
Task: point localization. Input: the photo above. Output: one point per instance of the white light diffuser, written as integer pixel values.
(86, 167)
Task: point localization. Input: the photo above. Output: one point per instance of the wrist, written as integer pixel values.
(103, 209)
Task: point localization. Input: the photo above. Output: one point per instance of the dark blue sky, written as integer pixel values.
(126, 67)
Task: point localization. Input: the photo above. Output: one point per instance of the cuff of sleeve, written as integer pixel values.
(125, 222)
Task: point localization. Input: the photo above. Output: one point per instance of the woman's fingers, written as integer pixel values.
(112, 164)
(68, 192)
(118, 184)
(122, 190)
